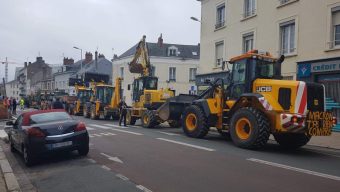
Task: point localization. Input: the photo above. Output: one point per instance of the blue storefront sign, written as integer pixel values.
(304, 70)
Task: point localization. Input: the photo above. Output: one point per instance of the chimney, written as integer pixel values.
(25, 64)
(40, 60)
(68, 61)
(96, 59)
(101, 56)
(88, 57)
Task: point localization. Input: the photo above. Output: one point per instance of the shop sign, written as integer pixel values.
(304, 70)
(322, 67)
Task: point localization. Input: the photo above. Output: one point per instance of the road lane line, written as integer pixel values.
(107, 134)
(90, 128)
(122, 177)
(141, 187)
(113, 125)
(187, 144)
(172, 134)
(106, 168)
(96, 135)
(306, 171)
(116, 159)
(134, 133)
(100, 126)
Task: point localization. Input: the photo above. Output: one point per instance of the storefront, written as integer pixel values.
(327, 72)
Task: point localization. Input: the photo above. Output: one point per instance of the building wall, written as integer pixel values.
(162, 65)
(61, 81)
(12, 89)
(312, 30)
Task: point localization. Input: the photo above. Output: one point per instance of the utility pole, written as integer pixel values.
(6, 70)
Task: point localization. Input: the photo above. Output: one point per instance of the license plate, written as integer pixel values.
(63, 144)
(319, 123)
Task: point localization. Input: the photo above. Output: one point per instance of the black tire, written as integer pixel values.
(149, 119)
(194, 122)
(255, 129)
(11, 145)
(93, 113)
(130, 120)
(174, 123)
(291, 140)
(29, 158)
(85, 113)
(83, 150)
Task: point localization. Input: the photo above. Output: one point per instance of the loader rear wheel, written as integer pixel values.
(149, 119)
(85, 113)
(130, 120)
(195, 122)
(93, 112)
(174, 123)
(249, 128)
(292, 141)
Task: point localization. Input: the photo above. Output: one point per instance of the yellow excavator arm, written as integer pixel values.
(117, 93)
(141, 61)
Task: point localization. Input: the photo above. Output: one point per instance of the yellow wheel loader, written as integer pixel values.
(256, 102)
(147, 98)
(83, 95)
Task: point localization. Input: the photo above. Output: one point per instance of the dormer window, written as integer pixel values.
(173, 51)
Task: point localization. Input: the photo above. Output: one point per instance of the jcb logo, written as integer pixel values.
(264, 89)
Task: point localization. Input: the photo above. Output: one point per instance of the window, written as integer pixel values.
(248, 42)
(287, 37)
(192, 74)
(220, 16)
(172, 74)
(336, 26)
(153, 71)
(122, 72)
(219, 47)
(172, 52)
(249, 8)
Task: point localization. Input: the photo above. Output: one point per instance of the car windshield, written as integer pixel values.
(49, 117)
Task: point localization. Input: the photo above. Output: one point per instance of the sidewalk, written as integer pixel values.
(8, 181)
(332, 141)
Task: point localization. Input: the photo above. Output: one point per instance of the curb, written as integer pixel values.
(10, 179)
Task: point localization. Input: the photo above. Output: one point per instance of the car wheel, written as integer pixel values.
(84, 150)
(29, 159)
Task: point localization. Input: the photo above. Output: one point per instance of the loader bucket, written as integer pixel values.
(136, 68)
(173, 108)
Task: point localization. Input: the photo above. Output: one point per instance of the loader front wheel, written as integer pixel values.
(93, 112)
(149, 119)
(249, 128)
(292, 141)
(195, 122)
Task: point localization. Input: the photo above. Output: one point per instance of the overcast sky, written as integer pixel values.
(53, 27)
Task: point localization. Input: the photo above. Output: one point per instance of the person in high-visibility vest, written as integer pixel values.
(22, 104)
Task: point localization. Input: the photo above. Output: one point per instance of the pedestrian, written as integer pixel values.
(22, 104)
(57, 104)
(122, 109)
(14, 106)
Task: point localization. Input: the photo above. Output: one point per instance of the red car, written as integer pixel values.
(40, 132)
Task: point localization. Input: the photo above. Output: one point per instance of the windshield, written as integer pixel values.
(84, 95)
(264, 69)
(104, 94)
(151, 84)
(49, 117)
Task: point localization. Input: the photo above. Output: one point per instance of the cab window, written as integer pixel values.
(239, 73)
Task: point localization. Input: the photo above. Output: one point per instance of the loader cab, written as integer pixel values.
(249, 67)
(141, 84)
(104, 94)
(84, 95)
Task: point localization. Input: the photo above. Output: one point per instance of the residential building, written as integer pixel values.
(307, 32)
(175, 66)
(12, 89)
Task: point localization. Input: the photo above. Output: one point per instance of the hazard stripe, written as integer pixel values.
(303, 103)
(299, 95)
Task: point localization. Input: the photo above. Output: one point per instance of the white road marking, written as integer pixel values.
(306, 171)
(91, 136)
(187, 144)
(141, 187)
(106, 168)
(115, 159)
(172, 134)
(90, 128)
(113, 125)
(100, 126)
(96, 135)
(107, 134)
(122, 177)
(134, 133)
(92, 160)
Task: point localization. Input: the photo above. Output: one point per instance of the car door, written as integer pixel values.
(15, 132)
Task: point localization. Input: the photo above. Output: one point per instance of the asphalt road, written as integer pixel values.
(163, 159)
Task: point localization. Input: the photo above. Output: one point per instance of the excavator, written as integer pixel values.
(83, 95)
(146, 96)
(105, 100)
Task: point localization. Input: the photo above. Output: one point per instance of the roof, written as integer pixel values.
(185, 51)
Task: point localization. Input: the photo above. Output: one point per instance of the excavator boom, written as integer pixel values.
(141, 62)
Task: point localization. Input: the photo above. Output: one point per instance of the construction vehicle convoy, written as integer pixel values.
(254, 103)
(146, 97)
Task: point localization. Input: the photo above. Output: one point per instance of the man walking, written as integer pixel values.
(122, 109)
(14, 105)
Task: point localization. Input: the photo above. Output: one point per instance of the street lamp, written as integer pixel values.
(81, 62)
(195, 19)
